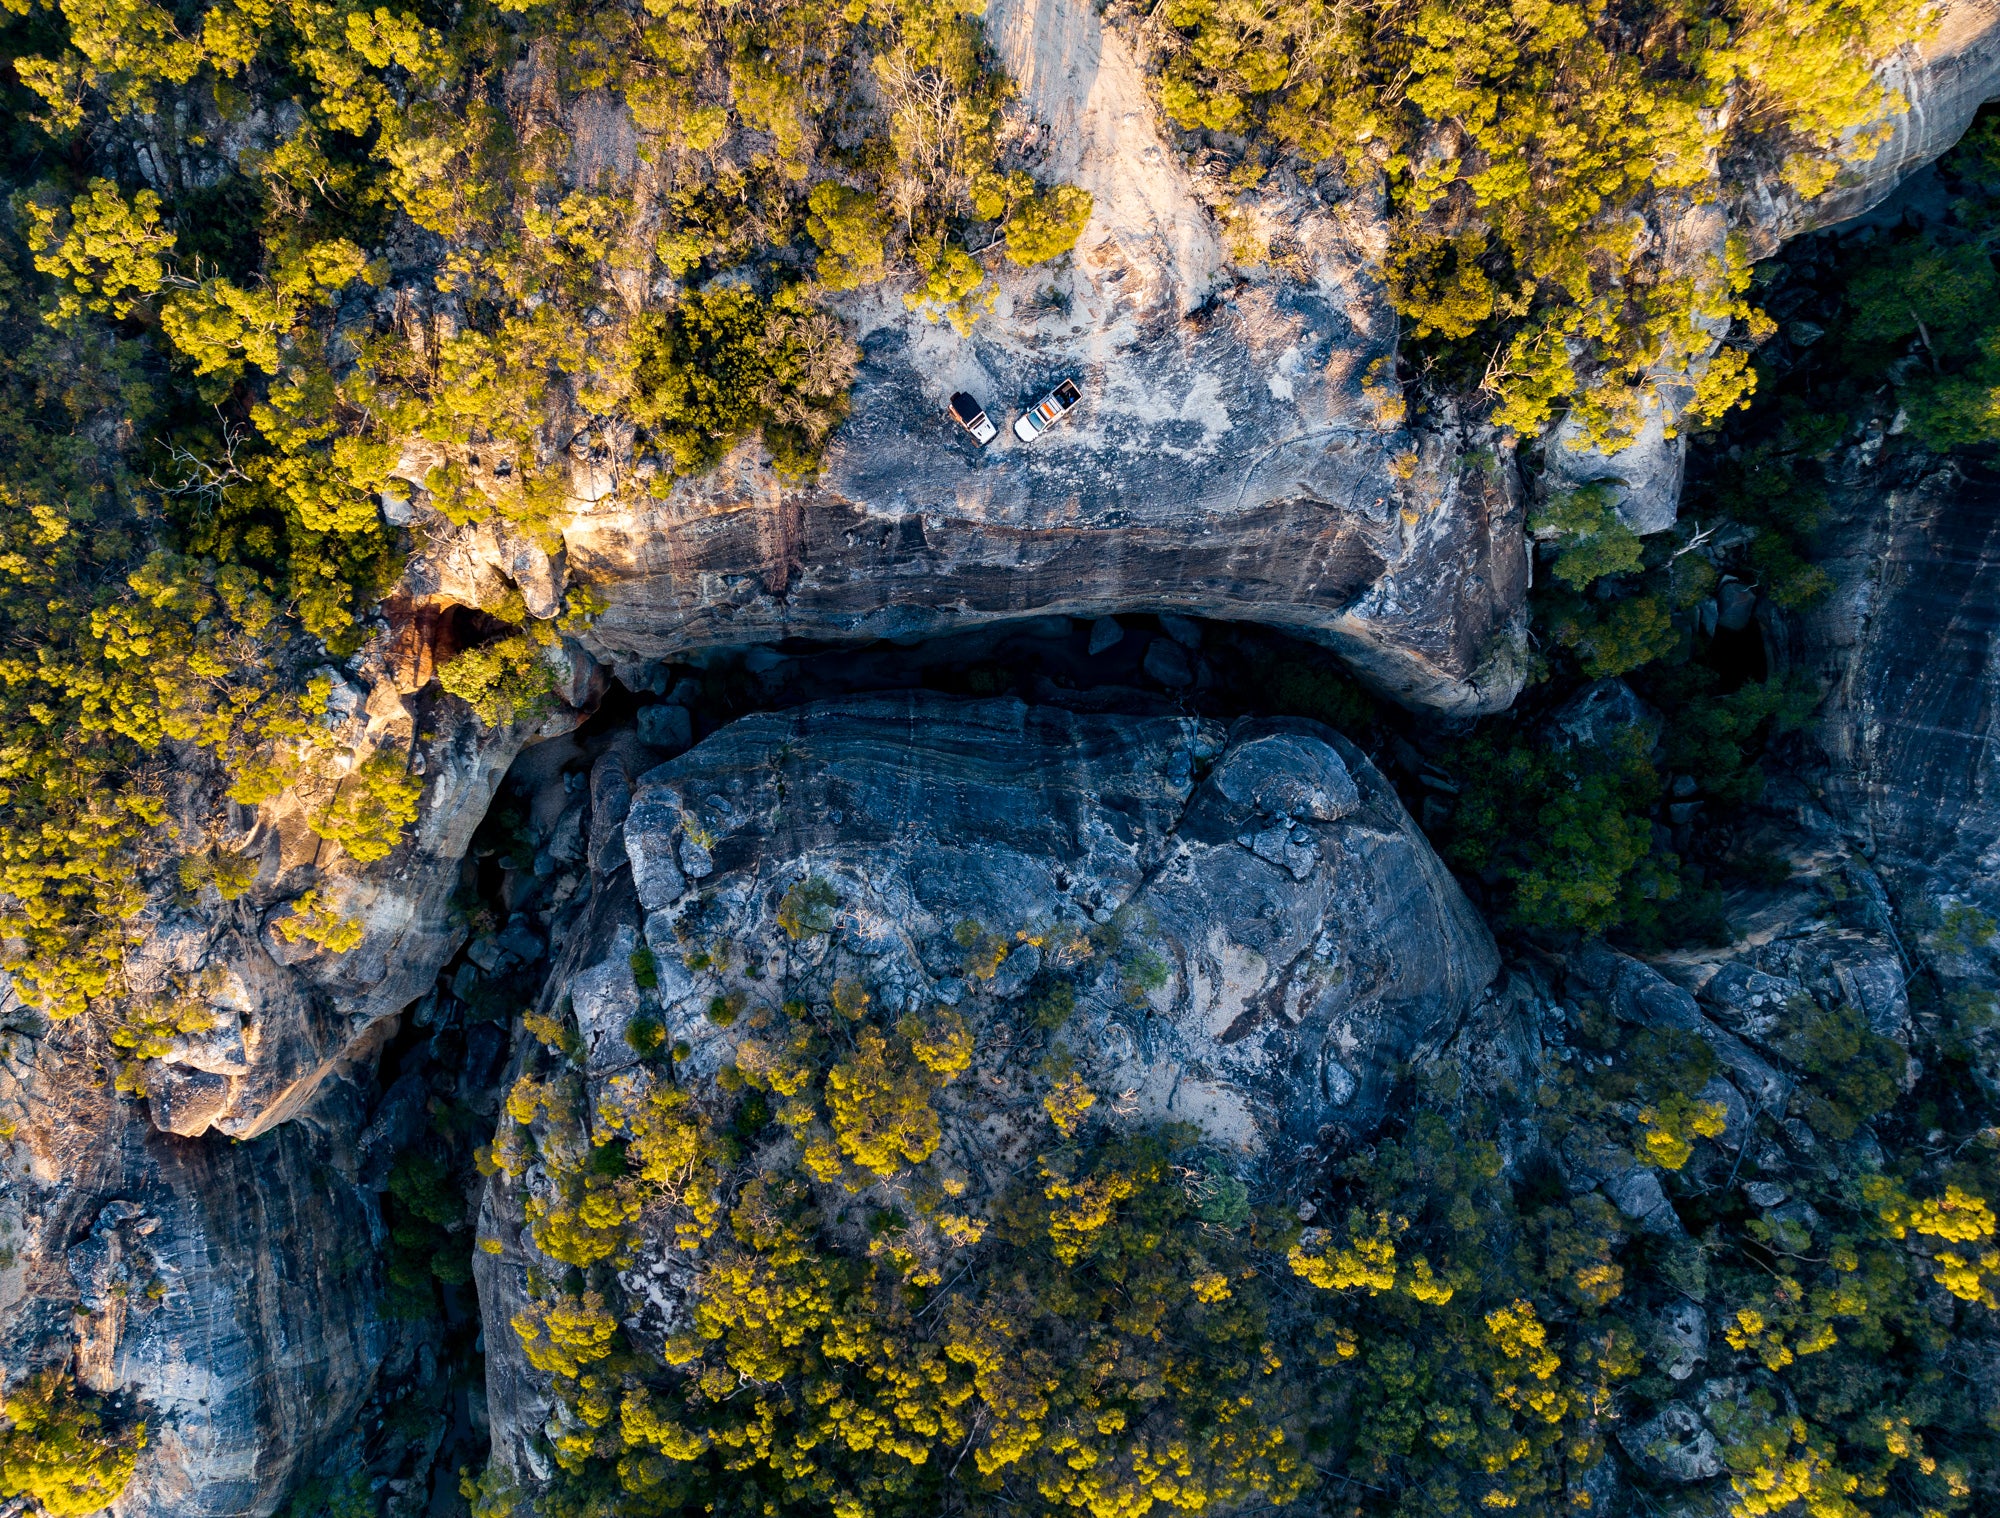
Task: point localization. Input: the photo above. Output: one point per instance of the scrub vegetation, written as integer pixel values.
(1124, 1327)
(1557, 173)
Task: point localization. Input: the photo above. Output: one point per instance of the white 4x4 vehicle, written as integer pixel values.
(1047, 411)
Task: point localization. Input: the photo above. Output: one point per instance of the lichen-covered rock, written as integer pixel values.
(1249, 931)
(1674, 1445)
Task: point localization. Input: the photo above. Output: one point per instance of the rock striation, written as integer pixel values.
(1242, 451)
(1908, 646)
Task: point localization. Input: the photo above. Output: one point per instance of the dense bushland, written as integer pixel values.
(1443, 1326)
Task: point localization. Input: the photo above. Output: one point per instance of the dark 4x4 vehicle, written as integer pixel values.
(969, 415)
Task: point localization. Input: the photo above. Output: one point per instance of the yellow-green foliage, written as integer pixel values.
(564, 1336)
(57, 1450)
(371, 806)
(1046, 225)
(203, 392)
(505, 681)
(231, 874)
(726, 362)
(881, 1116)
(953, 287)
(151, 1024)
(1119, 1331)
(1592, 541)
(1111, 1351)
(1538, 157)
(659, 1151)
(110, 253)
(316, 922)
(807, 908)
(1129, 1372)
(860, 1101)
(1038, 224)
(852, 231)
(1672, 1126)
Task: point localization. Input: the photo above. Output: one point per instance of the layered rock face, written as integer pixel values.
(283, 1014)
(1254, 931)
(1911, 726)
(231, 1290)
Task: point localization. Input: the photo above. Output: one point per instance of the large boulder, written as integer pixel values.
(1237, 928)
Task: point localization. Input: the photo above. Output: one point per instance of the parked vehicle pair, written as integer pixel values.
(1031, 424)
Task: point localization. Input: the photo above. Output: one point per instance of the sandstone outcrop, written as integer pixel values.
(1941, 84)
(1241, 451)
(231, 1291)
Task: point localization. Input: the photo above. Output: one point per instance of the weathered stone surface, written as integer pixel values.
(1910, 640)
(1284, 936)
(286, 1014)
(1680, 1338)
(1241, 451)
(1674, 1445)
